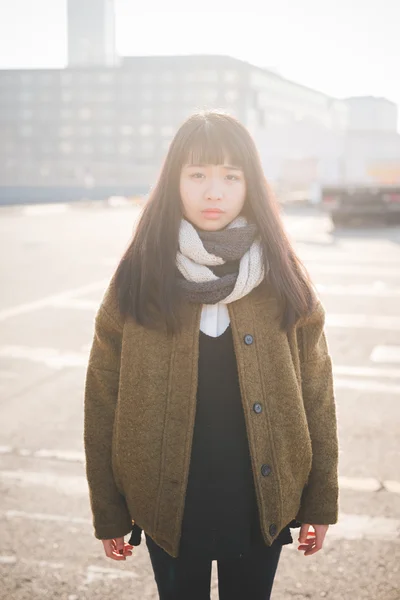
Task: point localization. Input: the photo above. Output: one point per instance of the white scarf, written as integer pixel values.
(192, 260)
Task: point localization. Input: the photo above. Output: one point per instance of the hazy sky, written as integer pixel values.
(341, 47)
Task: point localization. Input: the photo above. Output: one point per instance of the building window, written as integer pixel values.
(26, 131)
(26, 78)
(167, 77)
(231, 96)
(26, 96)
(65, 113)
(106, 113)
(146, 113)
(85, 131)
(46, 79)
(66, 78)
(230, 76)
(84, 114)
(167, 96)
(147, 78)
(44, 170)
(147, 95)
(106, 130)
(125, 148)
(66, 148)
(45, 98)
(105, 97)
(127, 130)
(167, 131)
(106, 148)
(106, 78)
(66, 97)
(210, 96)
(127, 78)
(148, 148)
(206, 76)
(66, 131)
(146, 130)
(87, 149)
(26, 114)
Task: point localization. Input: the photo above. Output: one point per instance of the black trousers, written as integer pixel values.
(249, 577)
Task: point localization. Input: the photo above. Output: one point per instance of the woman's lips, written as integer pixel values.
(212, 213)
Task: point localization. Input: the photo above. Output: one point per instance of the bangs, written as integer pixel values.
(213, 144)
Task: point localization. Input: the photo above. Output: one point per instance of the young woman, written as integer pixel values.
(210, 419)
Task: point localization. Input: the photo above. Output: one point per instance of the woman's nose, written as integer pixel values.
(214, 191)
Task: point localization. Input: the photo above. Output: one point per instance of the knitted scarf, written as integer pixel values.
(219, 266)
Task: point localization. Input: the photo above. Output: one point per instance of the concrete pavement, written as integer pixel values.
(54, 268)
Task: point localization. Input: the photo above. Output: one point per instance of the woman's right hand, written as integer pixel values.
(117, 549)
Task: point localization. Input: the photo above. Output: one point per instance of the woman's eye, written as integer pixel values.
(233, 177)
(197, 175)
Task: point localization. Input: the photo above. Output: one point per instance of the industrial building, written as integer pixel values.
(103, 125)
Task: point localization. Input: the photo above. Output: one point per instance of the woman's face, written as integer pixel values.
(212, 195)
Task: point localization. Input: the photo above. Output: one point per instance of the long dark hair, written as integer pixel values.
(146, 275)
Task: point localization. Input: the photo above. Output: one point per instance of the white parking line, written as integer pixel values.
(392, 486)
(70, 485)
(349, 526)
(95, 573)
(54, 298)
(352, 269)
(20, 514)
(360, 484)
(75, 304)
(386, 354)
(373, 291)
(376, 387)
(360, 321)
(12, 560)
(359, 527)
(45, 209)
(384, 372)
(52, 358)
(64, 455)
(8, 560)
(367, 257)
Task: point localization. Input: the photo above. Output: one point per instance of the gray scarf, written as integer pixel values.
(222, 252)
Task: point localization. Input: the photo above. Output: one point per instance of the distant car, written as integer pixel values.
(344, 203)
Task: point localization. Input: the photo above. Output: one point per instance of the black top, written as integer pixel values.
(221, 515)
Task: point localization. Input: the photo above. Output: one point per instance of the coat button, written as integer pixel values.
(248, 339)
(257, 408)
(265, 470)
(273, 529)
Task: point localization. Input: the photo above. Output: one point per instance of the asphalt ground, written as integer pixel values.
(55, 264)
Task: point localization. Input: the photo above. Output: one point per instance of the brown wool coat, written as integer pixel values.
(140, 403)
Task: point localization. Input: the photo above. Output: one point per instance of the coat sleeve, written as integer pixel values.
(111, 517)
(319, 503)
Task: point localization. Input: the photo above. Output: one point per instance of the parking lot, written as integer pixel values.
(56, 262)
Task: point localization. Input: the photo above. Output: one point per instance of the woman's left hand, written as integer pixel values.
(312, 541)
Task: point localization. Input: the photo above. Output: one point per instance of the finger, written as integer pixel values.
(117, 556)
(320, 536)
(119, 545)
(313, 550)
(114, 556)
(303, 532)
(107, 547)
(305, 547)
